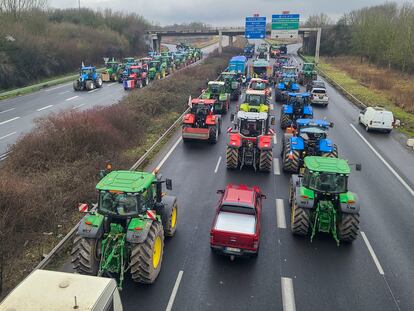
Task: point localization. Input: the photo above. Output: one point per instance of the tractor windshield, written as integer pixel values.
(255, 99)
(251, 128)
(88, 71)
(136, 70)
(328, 182)
(118, 204)
(289, 70)
(215, 88)
(260, 86)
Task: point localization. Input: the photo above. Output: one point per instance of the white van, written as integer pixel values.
(58, 291)
(319, 96)
(377, 118)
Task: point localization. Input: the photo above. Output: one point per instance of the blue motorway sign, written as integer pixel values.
(255, 27)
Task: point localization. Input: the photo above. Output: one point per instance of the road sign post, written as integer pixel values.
(255, 27)
(285, 26)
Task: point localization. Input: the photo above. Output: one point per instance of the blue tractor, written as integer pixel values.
(88, 79)
(298, 106)
(308, 139)
(287, 84)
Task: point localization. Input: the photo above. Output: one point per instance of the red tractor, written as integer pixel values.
(136, 78)
(250, 141)
(258, 84)
(201, 123)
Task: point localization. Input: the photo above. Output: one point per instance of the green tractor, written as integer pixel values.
(217, 90)
(111, 73)
(320, 200)
(157, 70)
(232, 83)
(168, 63)
(125, 232)
(307, 74)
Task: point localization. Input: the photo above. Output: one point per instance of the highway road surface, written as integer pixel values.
(17, 115)
(291, 273)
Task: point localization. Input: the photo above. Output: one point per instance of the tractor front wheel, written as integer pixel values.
(84, 256)
(89, 85)
(98, 83)
(265, 161)
(290, 159)
(213, 134)
(300, 220)
(348, 227)
(146, 257)
(232, 158)
(76, 85)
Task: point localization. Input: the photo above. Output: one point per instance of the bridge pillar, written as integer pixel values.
(318, 44)
(231, 40)
(220, 49)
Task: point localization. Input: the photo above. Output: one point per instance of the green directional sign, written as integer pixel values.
(285, 26)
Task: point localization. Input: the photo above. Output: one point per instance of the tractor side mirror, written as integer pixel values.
(331, 124)
(358, 167)
(232, 117)
(168, 184)
(220, 191)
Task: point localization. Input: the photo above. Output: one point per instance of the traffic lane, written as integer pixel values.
(314, 266)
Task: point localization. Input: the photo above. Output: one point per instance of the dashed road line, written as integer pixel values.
(400, 179)
(113, 83)
(168, 154)
(70, 98)
(9, 120)
(271, 107)
(288, 295)
(91, 91)
(43, 108)
(280, 214)
(61, 93)
(7, 110)
(371, 251)
(276, 167)
(174, 291)
(78, 106)
(217, 165)
(275, 139)
(58, 87)
(7, 135)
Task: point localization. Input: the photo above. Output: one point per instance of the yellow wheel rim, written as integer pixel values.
(174, 218)
(156, 255)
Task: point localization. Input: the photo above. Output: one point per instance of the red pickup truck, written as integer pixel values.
(236, 225)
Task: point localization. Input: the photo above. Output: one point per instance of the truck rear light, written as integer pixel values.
(304, 197)
(351, 201)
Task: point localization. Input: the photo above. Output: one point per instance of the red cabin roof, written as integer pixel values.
(136, 67)
(240, 194)
(203, 101)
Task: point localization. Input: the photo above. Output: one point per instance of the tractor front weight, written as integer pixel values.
(113, 253)
(325, 220)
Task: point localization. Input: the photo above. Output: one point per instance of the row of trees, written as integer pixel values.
(382, 34)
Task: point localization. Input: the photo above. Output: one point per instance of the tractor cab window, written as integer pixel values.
(136, 70)
(118, 204)
(258, 86)
(88, 71)
(147, 199)
(328, 182)
(215, 88)
(251, 128)
(254, 99)
(312, 134)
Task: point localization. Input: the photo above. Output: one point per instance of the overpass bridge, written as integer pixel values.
(154, 36)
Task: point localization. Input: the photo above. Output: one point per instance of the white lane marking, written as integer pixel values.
(58, 87)
(217, 166)
(169, 153)
(4, 156)
(78, 106)
(371, 251)
(70, 98)
(110, 84)
(280, 214)
(294, 58)
(288, 295)
(91, 91)
(400, 179)
(175, 290)
(275, 139)
(271, 107)
(7, 110)
(5, 136)
(61, 93)
(43, 108)
(9, 120)
(276, 167)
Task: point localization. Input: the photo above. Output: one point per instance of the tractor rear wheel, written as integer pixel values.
(348, 227)
(300, 220)
(265, 161)
(290, 159)
(89, 85)
(332, 154)
(213, 134)
(98, 83)
(84, 256)
(146, 257)
(285, 121)
(76, 85)
(232, 158)
(169, 220)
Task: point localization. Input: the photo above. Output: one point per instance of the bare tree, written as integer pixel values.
(17, 7)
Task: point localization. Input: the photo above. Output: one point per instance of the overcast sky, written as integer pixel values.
(220, 12)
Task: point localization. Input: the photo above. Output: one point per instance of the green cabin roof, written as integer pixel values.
(126, 181)
(328, 165)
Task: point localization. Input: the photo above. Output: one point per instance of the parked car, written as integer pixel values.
(319, 96)
(236, 226)
(377, 118)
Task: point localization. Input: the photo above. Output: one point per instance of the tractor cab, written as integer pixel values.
(251, 124)
(215, 88)
(112, 65)
(308, 67)
(307, 73)
(129, 60)
(256, 98)
(260, 68)
(87, 72)
(201, 108)
(290, 70)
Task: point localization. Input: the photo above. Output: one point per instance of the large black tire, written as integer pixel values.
(169, 221)
(98, 83)
(285, 121)
(142, 268)
(84, 256)
(300, 220)
(76, 86)
(213, 134)
(89, 85)
(290, 165)
(348, 227)
(232, 158)
(332, 154)
(265, 160)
